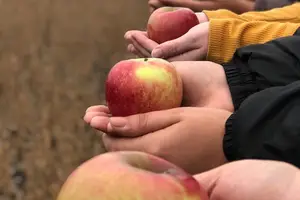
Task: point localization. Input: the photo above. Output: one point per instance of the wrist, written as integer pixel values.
(202, 17)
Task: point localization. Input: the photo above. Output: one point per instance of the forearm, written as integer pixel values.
(289, 13)
(227, 35)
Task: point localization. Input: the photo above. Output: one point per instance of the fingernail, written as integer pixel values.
(157, 53)
(127, 35)
(131, 49)
(118, 122)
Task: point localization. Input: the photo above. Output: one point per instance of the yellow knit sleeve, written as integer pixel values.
(289, 13)
(227, 35)
(221, 14)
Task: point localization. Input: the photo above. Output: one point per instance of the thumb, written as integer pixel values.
(209, 180)
(141, 124)
(173, 48)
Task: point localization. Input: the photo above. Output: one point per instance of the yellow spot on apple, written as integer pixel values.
(153, 74)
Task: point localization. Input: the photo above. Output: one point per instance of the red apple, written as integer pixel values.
(130, 175)
(169, 23)
(142, 85)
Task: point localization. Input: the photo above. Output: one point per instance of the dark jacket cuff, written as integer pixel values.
(241, 81)
(228, 144)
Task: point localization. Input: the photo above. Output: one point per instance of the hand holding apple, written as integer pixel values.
(204, 85)
(191, 138)
(191, 46)
(130, 175)
(252, 179)
(169, 23)
(139, 43)
(142, 85)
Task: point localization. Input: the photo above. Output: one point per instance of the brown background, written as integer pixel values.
(54, 57)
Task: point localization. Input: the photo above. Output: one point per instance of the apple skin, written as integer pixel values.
(138, 86)
(169, 23)
(130, 175)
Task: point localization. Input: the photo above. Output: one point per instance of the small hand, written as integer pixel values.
(191, 46)
(142, 46)
(139, 43)
(204, 85)
(189, 137)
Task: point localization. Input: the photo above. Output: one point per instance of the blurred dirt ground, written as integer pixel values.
(54, 57)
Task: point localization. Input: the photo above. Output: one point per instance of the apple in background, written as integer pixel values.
(169, 23)
(137, 86)
(130, 175)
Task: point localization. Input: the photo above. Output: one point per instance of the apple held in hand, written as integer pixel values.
(137, 86)
(130, 175)
(169, 23)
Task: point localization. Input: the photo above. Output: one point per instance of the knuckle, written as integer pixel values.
(172, 50)
(142, 121)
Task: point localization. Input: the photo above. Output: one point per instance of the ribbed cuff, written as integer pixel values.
(228, 143)
(221, 45)
(227, 35)
(241, 82)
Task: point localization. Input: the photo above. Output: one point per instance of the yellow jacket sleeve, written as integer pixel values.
(289, 13)
(227, 35)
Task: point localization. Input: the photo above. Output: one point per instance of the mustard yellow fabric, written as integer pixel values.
(229, 31)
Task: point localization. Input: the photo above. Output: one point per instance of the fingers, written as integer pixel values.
(193, 55)
(143, 51)
(93, 111)
(154, 4)
(195, 38)
(98, 108)
(143, 46)
(134, 51)
(144, 41)
(128, 34)
(136, 125)
(152, 143)
(174, 47)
